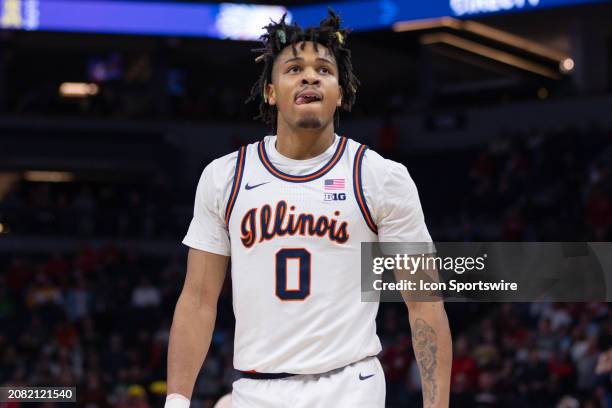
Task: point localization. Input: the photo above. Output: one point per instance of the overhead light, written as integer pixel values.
(514, 40)
(427, 24)
(567, 65)
(491, 53)
(48, 176)
(78, 90)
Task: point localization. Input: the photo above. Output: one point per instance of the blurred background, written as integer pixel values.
(110, 110)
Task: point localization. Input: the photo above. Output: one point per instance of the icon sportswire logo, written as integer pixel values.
(247, 187)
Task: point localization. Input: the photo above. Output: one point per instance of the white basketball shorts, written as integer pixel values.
(358, 385)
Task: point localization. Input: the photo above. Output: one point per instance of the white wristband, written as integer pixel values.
(176, 401)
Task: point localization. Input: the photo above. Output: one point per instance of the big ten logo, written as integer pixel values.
(335, 196)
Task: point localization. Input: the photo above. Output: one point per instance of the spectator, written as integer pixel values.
(388, 137)
(464, 370)
(136, 397)
(145, 295)
(78, 300)
(43, 292)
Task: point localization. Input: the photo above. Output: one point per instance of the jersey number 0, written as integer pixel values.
(303, 290)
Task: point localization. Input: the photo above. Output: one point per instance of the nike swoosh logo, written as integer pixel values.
(247, 187)
(365, 377)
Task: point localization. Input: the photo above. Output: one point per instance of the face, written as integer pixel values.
(305, 87)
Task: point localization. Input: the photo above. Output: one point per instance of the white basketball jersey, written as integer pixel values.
(295, 260)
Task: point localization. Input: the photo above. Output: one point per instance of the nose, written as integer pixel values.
(310, 77)
(310, 81)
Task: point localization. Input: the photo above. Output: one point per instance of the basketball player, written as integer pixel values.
(292, 211)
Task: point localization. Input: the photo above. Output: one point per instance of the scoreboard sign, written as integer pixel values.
(19, 14)
(237, 21)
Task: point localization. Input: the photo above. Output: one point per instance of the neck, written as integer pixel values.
(302, 144)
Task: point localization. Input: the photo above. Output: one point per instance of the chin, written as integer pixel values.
(311, 122)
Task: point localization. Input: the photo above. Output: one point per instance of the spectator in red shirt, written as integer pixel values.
(465, 369)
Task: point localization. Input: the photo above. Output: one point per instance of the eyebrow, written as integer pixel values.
(302, 59)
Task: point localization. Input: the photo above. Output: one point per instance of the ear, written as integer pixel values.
(339, 102)
(270, 94)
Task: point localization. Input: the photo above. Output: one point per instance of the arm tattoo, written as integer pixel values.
(424, 342)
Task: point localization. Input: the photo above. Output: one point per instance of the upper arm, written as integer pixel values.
(208, 236)
(205, 276)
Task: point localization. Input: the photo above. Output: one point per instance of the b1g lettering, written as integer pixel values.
(335, 196)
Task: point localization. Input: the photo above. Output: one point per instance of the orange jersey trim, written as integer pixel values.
(263, 156)
(358, 189)
(236, 185)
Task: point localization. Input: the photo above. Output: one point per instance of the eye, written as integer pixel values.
(293, 69)
(325, 70)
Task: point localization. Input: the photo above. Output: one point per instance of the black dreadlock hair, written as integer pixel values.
(280, 35)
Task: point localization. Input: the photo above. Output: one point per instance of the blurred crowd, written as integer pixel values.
(551, 186)
(136, 86)
(94, 209)
(537, 186)
(545, 186)
(518, 354)
(99, 319)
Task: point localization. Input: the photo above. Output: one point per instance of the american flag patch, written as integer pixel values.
(334, 184)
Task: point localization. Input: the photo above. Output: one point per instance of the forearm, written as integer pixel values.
(431, 341)
(190, 337)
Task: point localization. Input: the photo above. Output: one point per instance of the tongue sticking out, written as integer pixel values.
(301, 100)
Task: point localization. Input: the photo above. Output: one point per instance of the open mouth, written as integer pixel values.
(307, 97)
